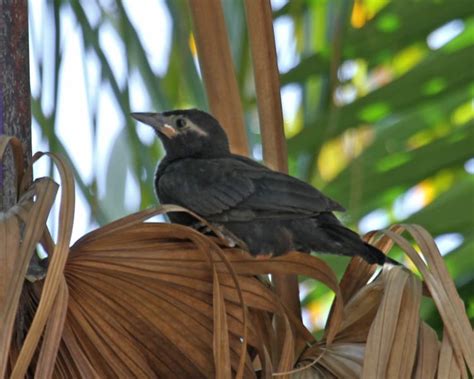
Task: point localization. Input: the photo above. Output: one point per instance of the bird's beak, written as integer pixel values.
(158, 122)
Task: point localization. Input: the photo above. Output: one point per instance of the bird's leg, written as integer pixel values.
(221, 232)
(201, 227)
(229, 238)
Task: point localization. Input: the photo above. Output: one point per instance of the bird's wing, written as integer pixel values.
(238, 189)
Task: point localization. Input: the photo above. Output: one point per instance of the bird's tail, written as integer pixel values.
(374, 255)
(347, 242)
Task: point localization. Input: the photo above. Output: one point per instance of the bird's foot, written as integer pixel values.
(201, 227)
(222, 233)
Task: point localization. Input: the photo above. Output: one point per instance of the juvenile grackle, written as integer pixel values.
(264, 211)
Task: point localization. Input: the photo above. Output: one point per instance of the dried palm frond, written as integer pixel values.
(180, 305)
(381, 334)
(215, 61)
(22, 228)
(148, 299)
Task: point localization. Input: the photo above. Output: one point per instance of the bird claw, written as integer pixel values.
(222, 233)
(201, 227)
(229, 238)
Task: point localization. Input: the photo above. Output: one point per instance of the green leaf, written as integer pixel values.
(310, 66)
(400, 24)
(120, 161)
(398, 96)
(456, 207)
(365, 191)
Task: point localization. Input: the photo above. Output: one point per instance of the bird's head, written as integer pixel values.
(187, 133)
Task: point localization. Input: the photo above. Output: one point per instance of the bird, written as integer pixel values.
(263, 211)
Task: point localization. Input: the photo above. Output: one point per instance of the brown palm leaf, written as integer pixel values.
(147, 299)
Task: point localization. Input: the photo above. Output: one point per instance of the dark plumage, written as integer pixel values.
(267, 211)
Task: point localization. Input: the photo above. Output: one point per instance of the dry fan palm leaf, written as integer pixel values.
(26, 223)
(215, 61)
(20, 231)
(381, 334)
(171, 289)
(149, 299)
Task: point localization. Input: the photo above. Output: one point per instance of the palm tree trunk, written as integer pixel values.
(15, 113)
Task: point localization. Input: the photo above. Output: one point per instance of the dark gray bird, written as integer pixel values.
(264, 211)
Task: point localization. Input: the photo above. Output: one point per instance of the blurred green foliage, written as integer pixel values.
(385, 118)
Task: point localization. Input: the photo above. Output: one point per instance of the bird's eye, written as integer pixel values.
(180, 123)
